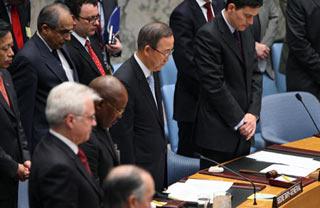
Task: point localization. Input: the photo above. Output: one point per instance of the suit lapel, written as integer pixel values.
(145, 89)
(52, 63)
(78, 163)
(228, 38)
(75, 43)
(8, 87)
(198, 15)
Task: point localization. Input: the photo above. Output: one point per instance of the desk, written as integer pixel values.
(310, 197)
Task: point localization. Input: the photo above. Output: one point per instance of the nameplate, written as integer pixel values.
(287, 195)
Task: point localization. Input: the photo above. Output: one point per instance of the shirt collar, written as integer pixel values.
(50, 49)
(145, 70)
(65, 140)
(80, 39)
(232, 29)
(201, 3)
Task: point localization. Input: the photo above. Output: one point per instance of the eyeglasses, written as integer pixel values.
(63, 32)
(91, 19)
(89, 117)
(120, 112)
(165, 53)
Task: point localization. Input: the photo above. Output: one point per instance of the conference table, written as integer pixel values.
(310, 197)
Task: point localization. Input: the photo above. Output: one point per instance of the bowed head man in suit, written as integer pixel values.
(101, 151)
(185, 21)
(17, 13)
(84, 49)
(14, 155)
(140, 133)
(60, 174)
(230, 82)
(42, 64)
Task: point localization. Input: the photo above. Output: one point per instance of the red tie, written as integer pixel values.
(95, 58)
(83, 158)
(3, 91)
(209, 11)
(16, 26)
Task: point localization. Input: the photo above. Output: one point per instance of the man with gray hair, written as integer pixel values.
(128, 186)
(61, 176)
(42, 64)
(140, 132)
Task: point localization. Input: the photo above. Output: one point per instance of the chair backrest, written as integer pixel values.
(167, 94)
(276, 51)
(269, 86)
(168, 74)
(284, 119)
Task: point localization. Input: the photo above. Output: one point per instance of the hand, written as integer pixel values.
(249, 127)
(114, 48)
(27, 164)
(23, 173)
(262, 50)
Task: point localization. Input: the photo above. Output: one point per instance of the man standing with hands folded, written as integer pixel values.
(230, 94)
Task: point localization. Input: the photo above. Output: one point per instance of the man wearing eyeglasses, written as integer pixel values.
(42, 64)
(85, 50)
(140, 133)
(61, 176)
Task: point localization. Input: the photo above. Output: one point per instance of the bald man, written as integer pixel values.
(100, 149)
(128, 186)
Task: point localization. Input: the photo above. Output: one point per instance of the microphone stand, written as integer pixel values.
(299, 97)
(234, 172)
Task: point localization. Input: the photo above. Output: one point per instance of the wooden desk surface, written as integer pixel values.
(310, 197)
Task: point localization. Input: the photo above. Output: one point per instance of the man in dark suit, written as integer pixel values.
(102, 153)
(185, 21)
(303, 66)
(230, 94)
(60, 173)
(14, 155)
(128, 186)
(17, 13)
(42, 64)
(84, 49)
(140, 132)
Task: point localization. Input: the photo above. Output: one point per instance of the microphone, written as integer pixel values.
(234, 172)
(299, 97)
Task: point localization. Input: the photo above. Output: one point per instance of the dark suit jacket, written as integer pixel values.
(140, 133)
(185, 21)
(303, 29)
(230, 86)
(101, 153)
(24, 16)
(59, 179)
(86, 68)
(35, 71)
(13, 144)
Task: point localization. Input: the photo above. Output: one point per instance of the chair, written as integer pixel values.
(284, 119)
(280, 78)
(168, 74)
(180, 166)
(167, 94)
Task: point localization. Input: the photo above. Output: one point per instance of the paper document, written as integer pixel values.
(298, 161)
(193, 189)
(289, 170)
